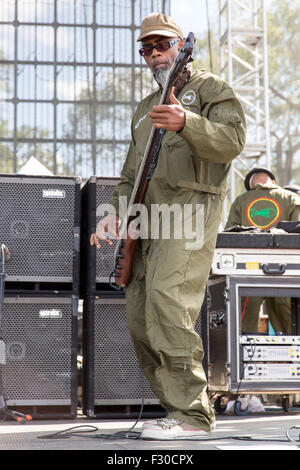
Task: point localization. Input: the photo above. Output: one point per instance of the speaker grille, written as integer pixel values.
(39, 335)
(118, 378)
(105, 256)
(112, 375)
(38, 228)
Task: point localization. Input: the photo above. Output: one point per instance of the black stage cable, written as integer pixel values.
(76, 432)
(288, 434)
(69, 432)
(87, 430)
(129, 434)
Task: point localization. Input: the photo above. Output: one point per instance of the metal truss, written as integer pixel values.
(244, 65)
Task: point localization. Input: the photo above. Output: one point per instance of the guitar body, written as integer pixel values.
(124, 262)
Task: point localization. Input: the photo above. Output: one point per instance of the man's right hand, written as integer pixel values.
(108, 226)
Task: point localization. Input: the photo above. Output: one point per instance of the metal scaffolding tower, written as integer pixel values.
(244, 65)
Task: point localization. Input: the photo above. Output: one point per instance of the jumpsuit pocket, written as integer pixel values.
(173, 139)
(202, 187)
(210, 191)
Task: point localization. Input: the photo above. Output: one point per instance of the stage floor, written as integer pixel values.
(263, 431)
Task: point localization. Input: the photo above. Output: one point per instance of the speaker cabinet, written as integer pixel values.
(40, 365)
(41, 228)
(111, 373)
(97, 265)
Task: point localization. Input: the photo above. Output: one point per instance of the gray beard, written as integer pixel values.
(161, 75)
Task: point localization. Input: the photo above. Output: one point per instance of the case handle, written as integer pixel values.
(274, 268)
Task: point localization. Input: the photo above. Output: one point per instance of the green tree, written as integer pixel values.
(283, 23)
(6, 151)
(284, 71)
(9, 155)
(105, 114)
(206, 52)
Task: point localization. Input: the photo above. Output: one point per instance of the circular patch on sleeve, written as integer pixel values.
(188, 98)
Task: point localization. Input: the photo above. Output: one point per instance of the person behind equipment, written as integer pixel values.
(205, 127)
(264, 205)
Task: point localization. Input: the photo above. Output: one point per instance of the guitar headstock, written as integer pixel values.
(183, 58)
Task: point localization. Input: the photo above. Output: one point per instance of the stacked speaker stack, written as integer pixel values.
(40, 226)
(113, 384)
(46, 225)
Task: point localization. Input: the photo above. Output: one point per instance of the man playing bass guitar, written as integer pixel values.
(204, 131)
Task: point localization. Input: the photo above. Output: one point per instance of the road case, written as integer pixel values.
(242, 364)
(253, 254)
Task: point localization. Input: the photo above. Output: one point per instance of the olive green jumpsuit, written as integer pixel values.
(264, 206)
(167, 287)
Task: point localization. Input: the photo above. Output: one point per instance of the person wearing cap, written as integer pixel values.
(205, 130)
(264, 205)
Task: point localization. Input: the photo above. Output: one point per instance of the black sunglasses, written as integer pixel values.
(160, 47)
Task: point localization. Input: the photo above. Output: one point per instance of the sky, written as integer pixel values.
(191, 14)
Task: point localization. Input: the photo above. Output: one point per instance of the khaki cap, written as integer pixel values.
(157, 23)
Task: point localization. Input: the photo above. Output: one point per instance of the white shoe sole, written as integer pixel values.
(168, 435)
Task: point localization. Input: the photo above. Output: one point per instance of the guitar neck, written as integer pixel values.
(155, 137)
(146, 159)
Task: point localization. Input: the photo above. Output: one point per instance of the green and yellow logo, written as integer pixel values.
(263, 212)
